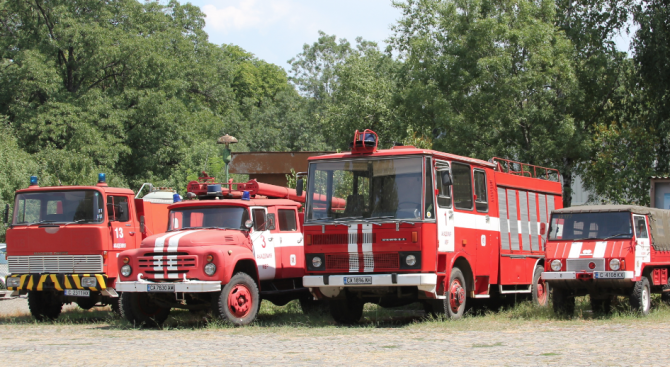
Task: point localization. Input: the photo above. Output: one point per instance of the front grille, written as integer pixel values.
(583, 264)
(168, 262)
(381, 261)
(67, 264)
(342, 238)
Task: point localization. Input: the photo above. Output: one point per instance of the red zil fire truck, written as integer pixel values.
(221, 253)
(422, 225)
(63, 241)
(606, 251)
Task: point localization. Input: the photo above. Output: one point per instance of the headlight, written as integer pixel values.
(126, 270)
(410, 260)
(316, 262)
(210, 269)
(615, 264)
(91, 282)
(14, 282)
(556, 265)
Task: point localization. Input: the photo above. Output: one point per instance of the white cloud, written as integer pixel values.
(251, 15)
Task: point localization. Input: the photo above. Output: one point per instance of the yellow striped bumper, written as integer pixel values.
(59, 282)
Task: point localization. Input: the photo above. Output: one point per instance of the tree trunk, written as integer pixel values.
(566, 173)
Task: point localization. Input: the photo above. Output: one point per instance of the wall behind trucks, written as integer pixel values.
(524, 203)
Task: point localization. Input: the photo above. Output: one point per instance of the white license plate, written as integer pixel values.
(357, 280)
(609, 275)
(77, 293)
(160, 288)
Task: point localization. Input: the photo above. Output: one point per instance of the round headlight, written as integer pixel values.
(210, 269)
(556, 265)
(615, 264)
(410, 260)
(126, 270)
(316, 262)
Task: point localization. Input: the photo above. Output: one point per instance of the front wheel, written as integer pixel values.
(454, 303)
(238, 301)
(139, 308)
(564, 302)
(640, 297)
(540, 288)
(346, 311)
(44, 305)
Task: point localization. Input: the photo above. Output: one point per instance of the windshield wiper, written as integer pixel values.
(616, 235)
(42, 222)
(182, 228)
(76, 221)
(347, 218)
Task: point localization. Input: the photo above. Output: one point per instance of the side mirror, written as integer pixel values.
(249, 223)
(143, 228)
(543, 229)
(6, 214)
(299, 185)
(446, 178)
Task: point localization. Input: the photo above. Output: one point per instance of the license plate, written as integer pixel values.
(77, 293)
(609, 275)
(357, 280)
(160, 288)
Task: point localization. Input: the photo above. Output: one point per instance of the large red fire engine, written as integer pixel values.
(221, 253)
(606, 251)
(63, 241)
(422, 225)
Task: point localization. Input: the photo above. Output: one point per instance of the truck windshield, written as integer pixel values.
(584, 226)
(359, 189)
(84, 206)
(212, 217)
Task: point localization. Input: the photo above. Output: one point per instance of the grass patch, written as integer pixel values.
(498, 344)
(550, 354)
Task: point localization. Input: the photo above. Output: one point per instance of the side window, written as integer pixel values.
(443, 191)
(462, 186)
(430, 201)
(287, 220)
(259, 219)
(481, 199)
(117, 208)
(640, 227)
(271, 221)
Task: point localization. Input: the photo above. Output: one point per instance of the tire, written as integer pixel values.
(239, 300)
(139, 309)
(601, 305)
(665, 296)
(433, 307)
(640, 297)
(44, 305)
(540, 288)
(563, 302)
(115, 303)
(455, 302)
(346, 311)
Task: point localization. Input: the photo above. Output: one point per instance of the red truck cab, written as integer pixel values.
(63, 241)
(606, 251)
(223, 255)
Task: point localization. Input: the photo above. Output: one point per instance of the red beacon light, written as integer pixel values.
(364, 142)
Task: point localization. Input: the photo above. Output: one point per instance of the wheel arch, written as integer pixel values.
(249, 267)
(464, 265)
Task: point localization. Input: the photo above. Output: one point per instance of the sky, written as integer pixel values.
(276, 30)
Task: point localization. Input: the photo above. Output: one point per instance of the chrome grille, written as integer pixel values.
(67, 264)
(583, 264)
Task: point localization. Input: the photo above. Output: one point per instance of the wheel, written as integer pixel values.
(140, 309)
(86, 303)
(540, 288)
(238, 301)
(115, 303)
(640, 297)
(309, 305)
(601, 305)
(433, 307)
(454, 304)
(44, 305)
(564, 302)
(346, 311)
(665, 296)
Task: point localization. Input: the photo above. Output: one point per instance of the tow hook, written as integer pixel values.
(583, 275)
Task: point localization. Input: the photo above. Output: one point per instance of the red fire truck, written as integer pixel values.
(606, 251)
(223, 253)
(63, 241)
(422, 225)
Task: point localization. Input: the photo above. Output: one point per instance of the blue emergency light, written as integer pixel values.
(245, 195)
(102, 178)
(176, 198)
(33, 180)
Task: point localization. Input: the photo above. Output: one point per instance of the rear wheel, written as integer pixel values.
(640, 297)
(140, 309)
(454, 303)
(564, 302)
(665, 296)
(239, 300)
(44, 305)
(346, 311)
(540, 288)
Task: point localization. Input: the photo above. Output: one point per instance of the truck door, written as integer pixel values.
(486, 237)
(642, 243)
(122, 223)
(290, 241)
(444, 215)
(264, 246)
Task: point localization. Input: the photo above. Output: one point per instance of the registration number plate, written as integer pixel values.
(160, 288)
(609, 275)
(357, 280)
(77, 293)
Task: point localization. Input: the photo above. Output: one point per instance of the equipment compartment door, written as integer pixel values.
(264, 246)
(642, 243)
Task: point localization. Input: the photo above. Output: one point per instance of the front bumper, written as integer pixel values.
(425, 282)
(59, 282)
(577, 275)
(195, 286)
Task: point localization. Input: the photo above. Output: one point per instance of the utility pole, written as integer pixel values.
(227, 157)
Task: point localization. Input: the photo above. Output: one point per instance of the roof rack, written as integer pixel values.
(525, 169)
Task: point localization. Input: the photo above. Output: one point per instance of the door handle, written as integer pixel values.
(131, 233)
(269, 238)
